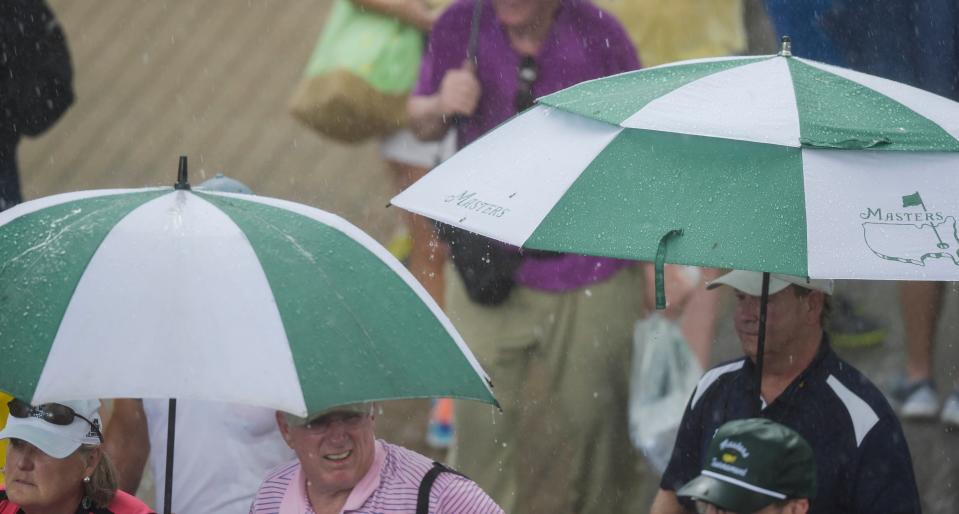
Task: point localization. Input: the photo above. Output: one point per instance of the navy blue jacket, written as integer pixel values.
(863, 464)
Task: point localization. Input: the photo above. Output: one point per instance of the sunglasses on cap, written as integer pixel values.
(53, 413)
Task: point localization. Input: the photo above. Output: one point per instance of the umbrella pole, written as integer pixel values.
(170, 437)
(761, 342)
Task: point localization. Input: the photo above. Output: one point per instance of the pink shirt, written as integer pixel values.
(390, 486)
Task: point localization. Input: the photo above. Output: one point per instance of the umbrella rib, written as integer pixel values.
(50, 237)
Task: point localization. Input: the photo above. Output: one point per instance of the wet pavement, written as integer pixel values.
(159, 78)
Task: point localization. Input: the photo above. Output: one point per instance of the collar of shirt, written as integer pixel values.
(817, 370)
(370, 481)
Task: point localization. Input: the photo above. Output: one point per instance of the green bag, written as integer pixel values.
(357, 80)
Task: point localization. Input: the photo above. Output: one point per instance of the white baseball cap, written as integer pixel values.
(57, 441)
(751, 282)
(352, 408)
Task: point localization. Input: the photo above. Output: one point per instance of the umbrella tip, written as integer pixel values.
(787, 48)
(181, 176)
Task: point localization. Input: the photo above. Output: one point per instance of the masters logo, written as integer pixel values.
(468, 200)
(732, 452)
(910, 235)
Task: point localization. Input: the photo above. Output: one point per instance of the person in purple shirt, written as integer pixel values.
(568, 320)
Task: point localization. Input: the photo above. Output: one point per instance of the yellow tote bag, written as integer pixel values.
(361, 71)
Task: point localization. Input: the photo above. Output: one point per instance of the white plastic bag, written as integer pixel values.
(665, 372)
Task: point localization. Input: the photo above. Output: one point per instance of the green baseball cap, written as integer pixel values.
(752, 463)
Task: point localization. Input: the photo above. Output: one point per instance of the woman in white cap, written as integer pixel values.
(55, 464)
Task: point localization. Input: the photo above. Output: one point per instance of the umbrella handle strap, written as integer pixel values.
(658, 267)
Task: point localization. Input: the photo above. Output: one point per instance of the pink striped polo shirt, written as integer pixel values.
(390, 486)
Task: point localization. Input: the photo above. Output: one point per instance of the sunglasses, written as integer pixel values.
(528, 72)
(53, 413)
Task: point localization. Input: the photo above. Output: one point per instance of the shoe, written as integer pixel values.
(439, 431)
(950, 412)
(439, 436)
(849, 329)
(918, 400)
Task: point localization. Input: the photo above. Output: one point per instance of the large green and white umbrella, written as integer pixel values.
(769, 163)
(163, 293)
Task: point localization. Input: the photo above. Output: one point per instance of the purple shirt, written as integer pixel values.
(390, 486)
(583, 43)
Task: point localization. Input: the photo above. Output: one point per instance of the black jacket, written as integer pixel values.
(35, 70)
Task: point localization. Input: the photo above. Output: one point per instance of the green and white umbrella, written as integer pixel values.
(163, 293)
(769, 163)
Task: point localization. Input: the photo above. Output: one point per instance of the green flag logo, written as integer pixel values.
(912, 200)
(912, 235)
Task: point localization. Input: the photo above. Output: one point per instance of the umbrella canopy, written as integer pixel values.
(770, 163)
(160, 293)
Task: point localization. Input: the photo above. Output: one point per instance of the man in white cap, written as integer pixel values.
(862, 460)
(341, 467)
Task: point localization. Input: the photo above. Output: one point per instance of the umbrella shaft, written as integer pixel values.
(761, 342)
(170, 436)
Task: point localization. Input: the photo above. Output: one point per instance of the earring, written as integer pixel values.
(86, 480)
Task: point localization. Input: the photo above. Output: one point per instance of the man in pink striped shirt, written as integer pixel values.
(341, 467)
